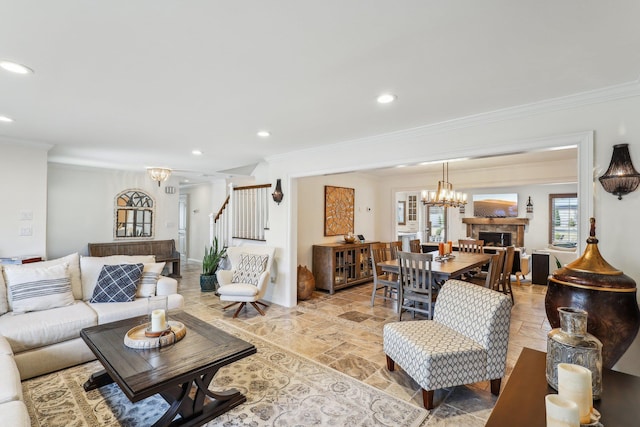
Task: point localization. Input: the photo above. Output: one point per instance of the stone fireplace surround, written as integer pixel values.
(514, 226)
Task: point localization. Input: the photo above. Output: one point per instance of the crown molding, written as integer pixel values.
(606, 94)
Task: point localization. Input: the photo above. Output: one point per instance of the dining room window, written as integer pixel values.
(436, 223)
(563, 219)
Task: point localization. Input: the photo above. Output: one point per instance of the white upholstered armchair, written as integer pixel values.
(466, 342)
(248, 278)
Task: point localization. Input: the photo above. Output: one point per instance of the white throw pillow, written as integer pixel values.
(4, 302)
(149, 279)
(73, 261)
(34, 289)
(249, 268)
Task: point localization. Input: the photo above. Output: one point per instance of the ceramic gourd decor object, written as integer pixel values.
(609, 296)
(306, 283)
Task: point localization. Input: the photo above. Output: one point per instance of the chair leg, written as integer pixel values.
(253, 303)
(230, 305)
(238, 310)
(427, 398)
(495, 386)
(391, 365)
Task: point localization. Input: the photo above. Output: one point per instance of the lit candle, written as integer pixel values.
(561, 412)
(158, 322)
(574, 383)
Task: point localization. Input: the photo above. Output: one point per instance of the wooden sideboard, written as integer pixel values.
(339, 265)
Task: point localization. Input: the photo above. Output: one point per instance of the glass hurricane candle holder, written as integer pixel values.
(157, 312)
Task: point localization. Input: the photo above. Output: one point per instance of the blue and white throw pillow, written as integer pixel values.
(34, 289)
(249, 268)
(117, 283)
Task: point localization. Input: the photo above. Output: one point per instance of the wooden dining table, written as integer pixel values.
(461, 263)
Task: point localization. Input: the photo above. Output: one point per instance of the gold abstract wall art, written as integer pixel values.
(338, 210)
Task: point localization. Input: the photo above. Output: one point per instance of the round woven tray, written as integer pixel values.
(135, 337)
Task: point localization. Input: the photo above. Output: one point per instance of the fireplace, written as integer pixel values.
(506, 231)
(492, 238)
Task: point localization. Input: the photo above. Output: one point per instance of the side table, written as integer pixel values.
(521, 403)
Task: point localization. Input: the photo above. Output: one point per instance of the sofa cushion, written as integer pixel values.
(249, 268)
(4, 302)
(41, 328)
(10, 387)
(33, 289)
(149, 279)
(117, 283)
(123, 310)
(15, 414)
(90, 268)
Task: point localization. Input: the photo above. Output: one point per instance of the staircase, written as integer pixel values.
(243, 215)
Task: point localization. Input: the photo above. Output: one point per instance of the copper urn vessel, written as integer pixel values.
(606, 293)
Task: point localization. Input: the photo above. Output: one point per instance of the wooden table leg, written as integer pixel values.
(194, 411)
(97, 380)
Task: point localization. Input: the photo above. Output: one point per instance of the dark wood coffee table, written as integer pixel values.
(521, 403)
(171, 371)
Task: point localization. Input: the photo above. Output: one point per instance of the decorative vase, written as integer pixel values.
(208, 283)
(571, 343)
(306, 283)
(608, 295)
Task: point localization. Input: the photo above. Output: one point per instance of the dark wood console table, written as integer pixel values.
(521, 403)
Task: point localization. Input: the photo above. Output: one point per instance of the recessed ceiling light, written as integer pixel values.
(15, 67)
(6, 119)
(264, 133)
(386, 98)
(196, 152)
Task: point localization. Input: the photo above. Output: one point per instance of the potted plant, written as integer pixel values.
(212, 257)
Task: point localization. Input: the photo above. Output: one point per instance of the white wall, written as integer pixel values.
(23, 174)
(310, 205)
(613, 119)
(81, 206)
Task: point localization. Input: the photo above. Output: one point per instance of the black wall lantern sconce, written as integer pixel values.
(529, 206)
(621, 178)
(277, 195)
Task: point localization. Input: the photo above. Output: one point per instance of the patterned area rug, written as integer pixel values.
(282, 389)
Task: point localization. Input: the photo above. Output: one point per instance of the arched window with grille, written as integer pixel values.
(134, 211)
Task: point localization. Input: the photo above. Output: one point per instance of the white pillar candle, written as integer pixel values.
(158, 322)
(574, 383)
(561, 412)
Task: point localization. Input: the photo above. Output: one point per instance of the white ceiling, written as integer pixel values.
(130, 84)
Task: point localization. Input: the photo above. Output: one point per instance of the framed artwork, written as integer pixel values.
(401, 213)
(339, 205)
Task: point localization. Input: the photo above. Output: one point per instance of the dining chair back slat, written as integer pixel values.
(505, 279)
(416, 293)
(414, 246)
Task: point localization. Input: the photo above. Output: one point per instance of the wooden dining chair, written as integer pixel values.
(416, 292)
(387, 282)
(415, 246)
(472, 246)
(494, 274)
(393, 248)
(505, 279)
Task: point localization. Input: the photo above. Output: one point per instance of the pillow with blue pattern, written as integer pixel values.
(117, 283)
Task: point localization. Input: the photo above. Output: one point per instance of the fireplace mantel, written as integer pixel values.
(475, 225)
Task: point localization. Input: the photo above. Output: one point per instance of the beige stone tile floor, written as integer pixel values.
(342, 331)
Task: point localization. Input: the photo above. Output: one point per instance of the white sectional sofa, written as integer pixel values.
(47, 340)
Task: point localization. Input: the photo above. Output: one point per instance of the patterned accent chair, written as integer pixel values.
(466, 342)
(248, 278)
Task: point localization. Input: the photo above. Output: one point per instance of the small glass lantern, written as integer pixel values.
(158, 316)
